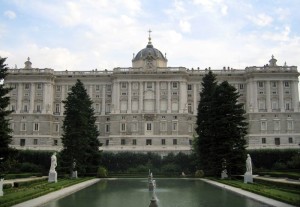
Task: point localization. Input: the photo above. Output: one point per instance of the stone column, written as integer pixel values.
(20, 94)
(169, 109)
(103, 100)
(51, 98)
(268, 96)
(183, 97)
(280, 91)
(195, 107)
(116, 97)
(254, 96)
(129, 97)
(63, 97)
(141, 97)
(90, 91)
(295, 96)
(157, 93)
(249, 97)
(45, 97)
(32, 91)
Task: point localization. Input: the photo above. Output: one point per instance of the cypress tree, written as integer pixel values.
(80, 132)
(5, 137)
(231, 128)
(204, 140)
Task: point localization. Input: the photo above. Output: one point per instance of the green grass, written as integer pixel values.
(284, 194)
(23, 193)
(291, 175)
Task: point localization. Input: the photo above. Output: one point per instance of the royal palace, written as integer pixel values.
(151, 107)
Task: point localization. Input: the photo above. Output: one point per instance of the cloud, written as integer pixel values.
(185, 26)
(10, 14)
(261, 19)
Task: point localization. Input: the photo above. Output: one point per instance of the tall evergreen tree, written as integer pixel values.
(204, 140)
(5, 137)
(221, 128)
(80, 132)
(230, 129)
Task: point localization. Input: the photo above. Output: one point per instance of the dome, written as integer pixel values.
(149, 57)
(149, 50)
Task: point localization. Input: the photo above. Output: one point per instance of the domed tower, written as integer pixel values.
(149, 57)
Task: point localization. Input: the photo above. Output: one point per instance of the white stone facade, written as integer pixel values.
(151, 107)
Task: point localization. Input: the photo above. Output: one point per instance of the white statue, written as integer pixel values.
(53, 162)
(249, 164)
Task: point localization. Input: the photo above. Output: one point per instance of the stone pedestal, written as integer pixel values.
(1, 187)
(153, 202)
(152, 185)
(248, 177)
(74, 174)
(52, 177)
(224, 175)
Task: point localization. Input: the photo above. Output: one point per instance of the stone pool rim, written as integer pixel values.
(77, 187)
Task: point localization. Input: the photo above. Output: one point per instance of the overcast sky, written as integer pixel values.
(103, 34)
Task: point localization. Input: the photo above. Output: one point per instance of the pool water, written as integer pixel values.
(169, 192)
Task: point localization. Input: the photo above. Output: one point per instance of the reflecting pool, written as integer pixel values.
(169, 192)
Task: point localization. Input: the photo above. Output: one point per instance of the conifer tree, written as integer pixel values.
(221, 128)
(230, 130)
(80, 132)
(5, 137)
(203, 142)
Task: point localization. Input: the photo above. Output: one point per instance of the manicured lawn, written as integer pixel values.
(287, 195)
(31, 190)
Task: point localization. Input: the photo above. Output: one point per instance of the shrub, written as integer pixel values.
(294, 163)
(171, 169)
(199, 174)
(279, 166)
(30, 167)
(102, 172)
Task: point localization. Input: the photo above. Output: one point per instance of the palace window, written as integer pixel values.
(134, 142)
(35, 142)
(163, 142)
(263, 125)
(36, 127)
(148, 141)
(97, 87)
(39, 86)
(286, 84)
(263, 140)
(174, 141)
(122, 141)
(107, 128)
(107, 142)
(22, 142)
(26, 86)
(290, 140)
(55, 142)
(123, 127)
(163, 126)
(175, 84)
(260, 84)
(189, 87)
(123, 85)
(277, 141)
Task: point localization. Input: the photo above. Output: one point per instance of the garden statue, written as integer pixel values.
(52, 173)
(74, 171)
(248, 177)
(1, 186)
(224, 169)
(249, 164)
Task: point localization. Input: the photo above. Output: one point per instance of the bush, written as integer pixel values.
(294, 163)
(102, 172)
(199, 174)
(171, 169)
(279, 166)
(30, 167)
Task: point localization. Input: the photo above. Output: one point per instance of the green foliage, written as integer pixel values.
(5, 137)
(294, 163)
(80, 132)
(221, 128)
(171, 169)
(267, 158)
(30, 190)
(274, 191)
(127, 162)
(22, 175)
(102, 172)
(29, 167)
(199, 174)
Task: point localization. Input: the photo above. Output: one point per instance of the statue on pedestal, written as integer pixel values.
(52, 172)
(248, 177)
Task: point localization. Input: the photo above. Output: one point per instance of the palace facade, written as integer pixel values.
(151, 107)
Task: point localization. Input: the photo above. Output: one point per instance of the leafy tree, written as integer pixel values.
(5, 137)
(80, 132)
(203, 142)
